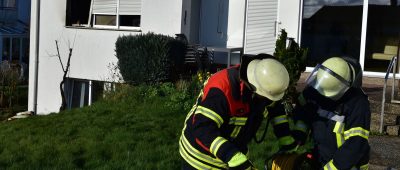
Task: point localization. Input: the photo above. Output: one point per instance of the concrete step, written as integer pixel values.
(392, 130)
(388, 119)
(391, 117)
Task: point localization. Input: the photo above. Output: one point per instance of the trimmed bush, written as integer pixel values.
(149, 58)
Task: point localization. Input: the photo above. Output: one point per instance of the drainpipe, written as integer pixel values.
(244, 27)
(35, 89)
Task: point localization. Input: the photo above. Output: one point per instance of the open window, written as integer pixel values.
(115, 14)
(78, 12)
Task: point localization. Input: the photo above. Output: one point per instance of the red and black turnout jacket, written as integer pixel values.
(223, 121)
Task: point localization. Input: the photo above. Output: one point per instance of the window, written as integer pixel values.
(7, 4)
(80, 93)
(78, 12)
(331, 28)
(115, 14)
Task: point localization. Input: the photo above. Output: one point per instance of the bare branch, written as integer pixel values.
(59, 56)
(73, 43)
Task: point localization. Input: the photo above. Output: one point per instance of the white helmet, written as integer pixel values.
(333, 78)
(269, 77)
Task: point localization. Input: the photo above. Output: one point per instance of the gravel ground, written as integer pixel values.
(385, 152)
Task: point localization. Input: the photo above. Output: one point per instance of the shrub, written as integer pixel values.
(294, 59)
(149, 58)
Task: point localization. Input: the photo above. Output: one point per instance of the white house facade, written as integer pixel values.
(92, 47)
(363, 29)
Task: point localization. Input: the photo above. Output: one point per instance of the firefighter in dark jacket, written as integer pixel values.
(336, 110)
(229, 111)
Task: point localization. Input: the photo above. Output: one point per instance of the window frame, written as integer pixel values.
(91, 23)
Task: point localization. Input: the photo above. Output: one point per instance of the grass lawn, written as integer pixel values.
(126, 131)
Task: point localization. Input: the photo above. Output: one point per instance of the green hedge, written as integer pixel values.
(149, 58)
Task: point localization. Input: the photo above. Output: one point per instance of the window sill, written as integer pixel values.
(109, 29)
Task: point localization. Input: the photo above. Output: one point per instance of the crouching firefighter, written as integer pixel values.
(229, 111)
(336, 110)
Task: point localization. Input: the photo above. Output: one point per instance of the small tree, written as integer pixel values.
(65, 70)
(288, 52)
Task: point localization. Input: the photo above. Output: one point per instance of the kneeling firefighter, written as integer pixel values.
(229, 111)
(336, 110)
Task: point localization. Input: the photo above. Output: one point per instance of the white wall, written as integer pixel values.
(289, 17)
(236, 22)
(93, 50)
(162, 16)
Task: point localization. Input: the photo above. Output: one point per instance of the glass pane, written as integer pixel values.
(16, 47)
(383, 34)
(105, 20)
(6, 49)
(331, 28)
(10, 3)
(25, 51)
(129, 20)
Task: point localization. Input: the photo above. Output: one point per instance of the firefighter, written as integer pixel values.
(335, 110)
(229, 111)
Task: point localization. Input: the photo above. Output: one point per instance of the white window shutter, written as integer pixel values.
(260, 26)
(105, 7)
(130, 7)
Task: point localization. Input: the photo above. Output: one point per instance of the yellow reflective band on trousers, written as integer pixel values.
(279, 120)
(235, 131)
(238, 120)
(286, 140)
(339, 129)
(210, 114)
(300, 126)
(357, 131)
(362, 167)
(194, 155)
(216, 144)
(330, 166)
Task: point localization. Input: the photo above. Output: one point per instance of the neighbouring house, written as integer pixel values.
(14, 31)
(90, 27)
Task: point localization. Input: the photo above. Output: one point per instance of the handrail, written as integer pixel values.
(392, 62)
(393, 100)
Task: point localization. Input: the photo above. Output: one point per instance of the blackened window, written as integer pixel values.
(78, 12)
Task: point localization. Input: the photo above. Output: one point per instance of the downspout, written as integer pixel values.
(245, 26)
(35, 91)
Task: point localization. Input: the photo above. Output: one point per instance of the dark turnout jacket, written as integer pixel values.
(340, 129)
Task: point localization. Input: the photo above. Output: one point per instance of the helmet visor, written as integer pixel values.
(327, 82)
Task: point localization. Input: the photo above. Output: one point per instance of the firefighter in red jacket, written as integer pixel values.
(336, 110)
(229, 111)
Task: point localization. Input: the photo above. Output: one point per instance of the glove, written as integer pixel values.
(239, 162)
